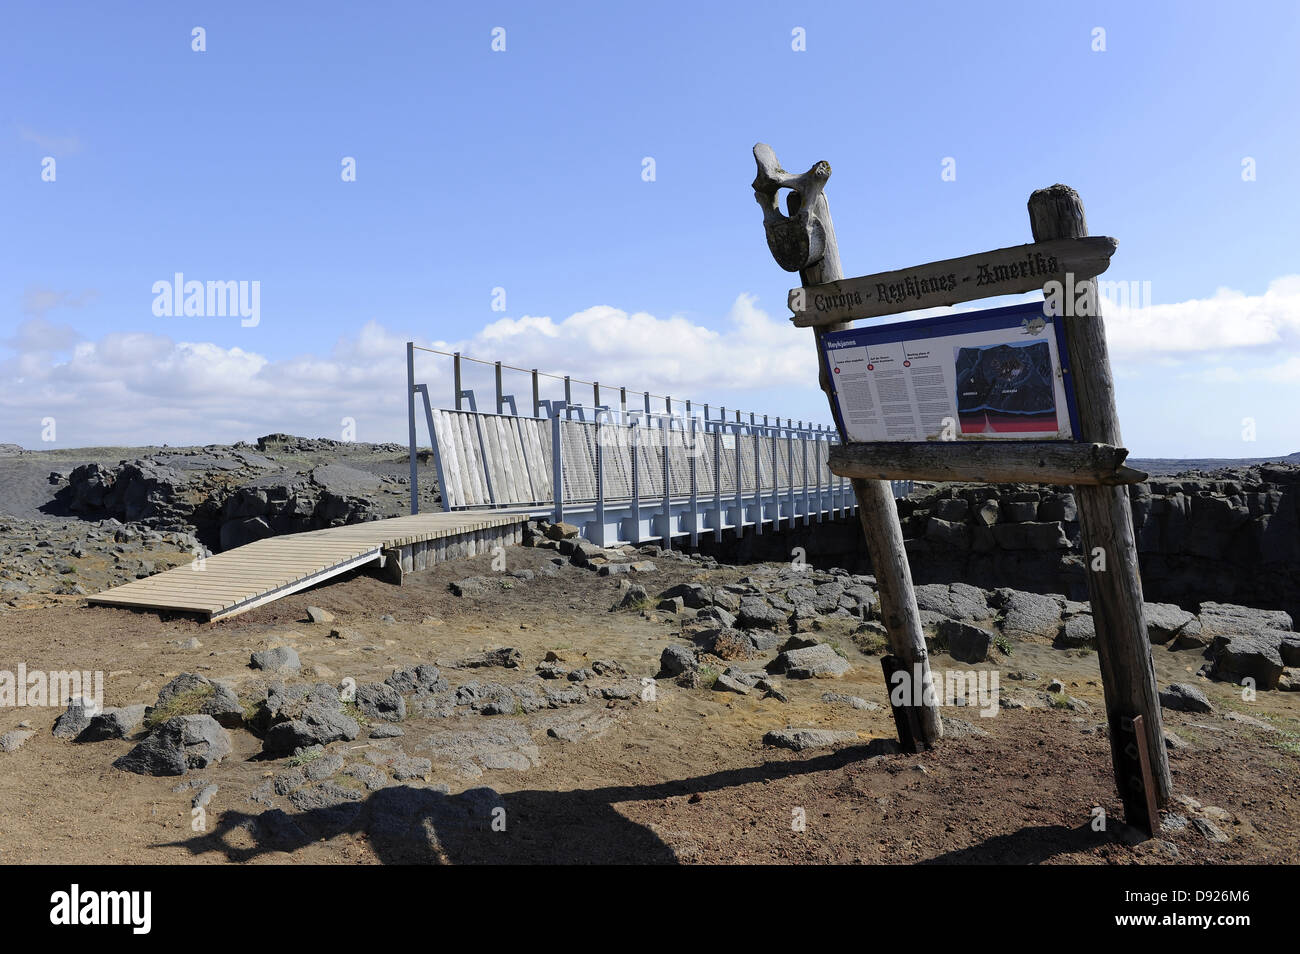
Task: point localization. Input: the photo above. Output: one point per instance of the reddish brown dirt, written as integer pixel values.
(682, 779)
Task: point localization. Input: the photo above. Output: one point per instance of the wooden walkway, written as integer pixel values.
(237, 580)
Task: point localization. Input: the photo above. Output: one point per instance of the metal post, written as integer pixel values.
(537, 396)
(568, 398)
(790, 436)
(636, 483)
(622, 404)
(776, 476)
(740, 474)
(595, 393)
(410, 409)
(600, 479)
(803, 450)
(437, 452)
(455, 374)
(695, 500)
(557, 463)
(717, 480)
(498, 383)
(758, 474)
(817, 448)
(666, 426)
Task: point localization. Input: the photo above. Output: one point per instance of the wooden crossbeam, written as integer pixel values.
(995, 462)
(1003, 271)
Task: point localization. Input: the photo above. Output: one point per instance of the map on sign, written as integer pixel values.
(985, 375)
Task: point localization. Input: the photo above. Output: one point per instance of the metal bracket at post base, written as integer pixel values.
(906, 721)
(1138, 789)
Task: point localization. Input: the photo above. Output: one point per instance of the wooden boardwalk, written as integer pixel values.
(225, 584)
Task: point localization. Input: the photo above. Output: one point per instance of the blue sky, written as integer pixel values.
(522, 170)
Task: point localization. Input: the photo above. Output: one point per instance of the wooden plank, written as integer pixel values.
(1003, 271)
(508, 489)
(240, 574)
(1106, 525)
(203, 581)
(469, 464)
(495, 466)
(457, 472)
(524, 479)
(451, 491)
(518, 462)
(185, 601)
(995, 462)
(206, 609)
(512, 463)
(539, 462)
(474, 488)
(526, 429)
(193, 596)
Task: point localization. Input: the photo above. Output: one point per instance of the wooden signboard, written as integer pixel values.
(1004, 271)
(991, 375)
(887, 411)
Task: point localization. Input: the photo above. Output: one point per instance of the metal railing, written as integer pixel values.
(691, 468)
(631, 474)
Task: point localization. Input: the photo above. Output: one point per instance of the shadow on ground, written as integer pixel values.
(407, 824)
(1031, 845)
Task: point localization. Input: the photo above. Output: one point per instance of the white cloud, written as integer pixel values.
(136, 388)
(142, 387)
(56, 144)
(1285, 372)
(39, 301)
(639, 350)
(1230, 320)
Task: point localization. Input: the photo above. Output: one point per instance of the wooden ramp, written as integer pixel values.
(229, 583)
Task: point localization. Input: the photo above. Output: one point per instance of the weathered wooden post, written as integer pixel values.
(1106, 521)
(804, 241)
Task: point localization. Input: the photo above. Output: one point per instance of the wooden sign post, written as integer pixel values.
(1110, 550)
(1064, 261)
(804, 241)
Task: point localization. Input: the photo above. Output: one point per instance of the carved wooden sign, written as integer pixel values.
(1004, 271)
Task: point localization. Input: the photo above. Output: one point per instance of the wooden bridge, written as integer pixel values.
(233, 582)
(621, 476)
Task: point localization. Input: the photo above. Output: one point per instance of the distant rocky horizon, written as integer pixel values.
(1163, 466)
